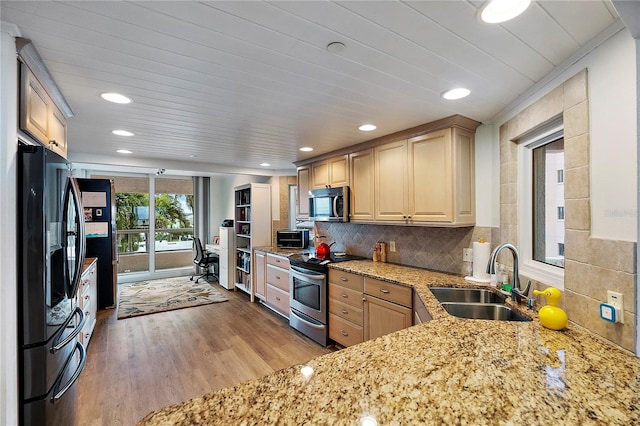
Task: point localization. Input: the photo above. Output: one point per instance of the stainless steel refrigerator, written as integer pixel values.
(50, 250)
(99, 204)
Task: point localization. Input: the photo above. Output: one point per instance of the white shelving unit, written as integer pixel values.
(253, 228)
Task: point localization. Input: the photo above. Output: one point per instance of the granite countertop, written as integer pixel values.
(281, 251)
(445, 371)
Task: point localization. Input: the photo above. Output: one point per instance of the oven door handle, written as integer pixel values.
(301, 272)
(310, 324)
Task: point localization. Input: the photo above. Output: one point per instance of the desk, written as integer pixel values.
(211, 248)
(225, 249)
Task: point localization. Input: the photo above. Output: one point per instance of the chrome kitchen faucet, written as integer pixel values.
(517, 294)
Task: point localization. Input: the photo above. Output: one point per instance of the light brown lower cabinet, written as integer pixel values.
(345, 307)
(387, 308)
(362, 308)
(260, 274)
(382, 317)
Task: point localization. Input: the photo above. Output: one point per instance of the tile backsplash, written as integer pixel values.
(438, 249)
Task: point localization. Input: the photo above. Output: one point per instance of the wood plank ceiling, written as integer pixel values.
(239, 83)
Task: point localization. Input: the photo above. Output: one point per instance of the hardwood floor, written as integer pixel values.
(140, 364)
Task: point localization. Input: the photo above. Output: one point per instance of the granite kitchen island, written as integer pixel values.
(445, 371)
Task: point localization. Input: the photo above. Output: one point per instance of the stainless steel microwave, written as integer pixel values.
(329, 204)
(292, 238)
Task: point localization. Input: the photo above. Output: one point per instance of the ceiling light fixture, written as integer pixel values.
(122, 133)
(367, 127)
(497, 11)
(123, 151)
(306, 149)
(116, 98)
(457, 93)
(265, 164)
(336, 47)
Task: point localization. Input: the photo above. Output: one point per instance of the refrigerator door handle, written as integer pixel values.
(72, 194)
(58, 390)
(57, 345)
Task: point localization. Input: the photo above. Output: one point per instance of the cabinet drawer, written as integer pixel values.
(281, 262)
(85, 299)
(388, 291)
(345, 295)
(278, 277)
(278, 299)
(86, 280)
(346, 279)
(344, 332)
(348, 312)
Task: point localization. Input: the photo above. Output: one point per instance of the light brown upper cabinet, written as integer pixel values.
(427, 178)
(333, 172)
(39, 116)
(304, 176)
(390, 194)
(424, 175)
(362, 188)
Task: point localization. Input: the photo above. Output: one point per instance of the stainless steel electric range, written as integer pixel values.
(309, 296)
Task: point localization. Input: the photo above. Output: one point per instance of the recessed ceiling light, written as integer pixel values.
(265, 164)
(123, 151)
(497, 11)
(457, 93)
(116, 98)
(122, 133)
(367, 127)
(306, 149)
(336, 47)
(192, 156)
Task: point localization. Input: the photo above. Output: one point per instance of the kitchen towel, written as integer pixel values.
(481, 254)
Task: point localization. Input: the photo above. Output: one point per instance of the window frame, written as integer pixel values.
(539, 271)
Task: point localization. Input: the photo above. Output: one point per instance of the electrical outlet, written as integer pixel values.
(467, 255)
(615, 299)
(392, 246)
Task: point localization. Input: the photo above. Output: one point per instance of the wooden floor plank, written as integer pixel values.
(140, 364)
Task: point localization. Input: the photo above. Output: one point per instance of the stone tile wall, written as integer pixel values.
(424, 247)
(592, 266)
(282, 222)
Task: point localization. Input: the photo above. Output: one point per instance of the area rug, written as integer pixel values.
(149, 297)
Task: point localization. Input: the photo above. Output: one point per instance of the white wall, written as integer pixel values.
(612, 98)
(222, 202)
(8, 170)
(487, 178)
(612, 93)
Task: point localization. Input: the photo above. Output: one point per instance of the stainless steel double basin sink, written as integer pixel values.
(475, 303)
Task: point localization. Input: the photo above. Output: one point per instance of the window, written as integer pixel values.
(548, 218)
(541, 204)
(560, 213)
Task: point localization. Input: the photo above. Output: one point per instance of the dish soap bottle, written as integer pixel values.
(550, 315)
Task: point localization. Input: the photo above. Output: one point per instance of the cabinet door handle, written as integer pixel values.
(344, 311)
(344, 333)
(404, 216)
(277, 298)
(409, 217)
(277, 277)
(344, 295)
(344, 279)
(53, 142)
(384, 290)
(86, 297)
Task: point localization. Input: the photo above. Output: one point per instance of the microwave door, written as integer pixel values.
(73, 237)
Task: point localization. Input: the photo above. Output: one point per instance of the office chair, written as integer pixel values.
(204, 260)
